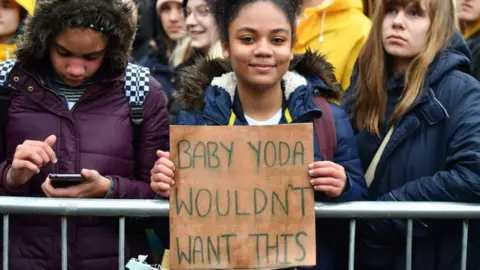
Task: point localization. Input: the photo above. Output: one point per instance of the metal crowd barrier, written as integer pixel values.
(151, 208)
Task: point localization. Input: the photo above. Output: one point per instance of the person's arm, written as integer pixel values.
(5, 189)
(346, 155)
(154, 136)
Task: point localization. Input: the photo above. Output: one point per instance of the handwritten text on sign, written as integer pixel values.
(242, 197)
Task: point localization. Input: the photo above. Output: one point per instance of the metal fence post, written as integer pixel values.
(464, 245)
(121, 243)
(351, 250)
(5, 241)
(408, 260)
(64, 244)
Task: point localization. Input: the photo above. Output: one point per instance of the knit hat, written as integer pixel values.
(161, 2)
(210, 3)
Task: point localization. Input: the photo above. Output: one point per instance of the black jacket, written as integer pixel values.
(474, 45)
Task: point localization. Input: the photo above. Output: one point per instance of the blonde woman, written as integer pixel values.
(203, 39)
(417, 116)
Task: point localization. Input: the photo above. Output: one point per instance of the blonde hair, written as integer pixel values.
(184, 51)
(368, 112)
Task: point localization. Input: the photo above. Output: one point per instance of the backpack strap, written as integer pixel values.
(325, 129)
(5, 95)
(137, 86)
(5, 68)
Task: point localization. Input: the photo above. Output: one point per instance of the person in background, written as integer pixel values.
(201, 41)
(202, 31)
(12, 16)
(170, 25)
(262, 83)
(144, 42)
(416, 112)
(468, 12)
(336, 28)
(71, 112)
(172, 29)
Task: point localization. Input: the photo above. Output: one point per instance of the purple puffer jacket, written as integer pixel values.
(96, 134)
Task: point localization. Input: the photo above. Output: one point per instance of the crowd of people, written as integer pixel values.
(92, 86)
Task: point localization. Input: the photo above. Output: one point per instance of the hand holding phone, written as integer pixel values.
(65, 180)
(88, 184)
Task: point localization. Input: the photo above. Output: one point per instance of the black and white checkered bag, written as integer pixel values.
(137, 82)
(5, 68)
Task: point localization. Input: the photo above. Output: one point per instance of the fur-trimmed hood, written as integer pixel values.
(51, 17)
(304, 69)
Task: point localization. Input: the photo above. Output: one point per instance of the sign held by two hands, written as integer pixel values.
(242, 197)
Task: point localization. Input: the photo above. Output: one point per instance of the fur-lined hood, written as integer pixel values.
(304, 69)
(116, 17)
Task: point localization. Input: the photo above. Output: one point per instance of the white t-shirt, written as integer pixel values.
(274, 120)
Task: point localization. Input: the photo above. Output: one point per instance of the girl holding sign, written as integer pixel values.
(418, 128)
(263, 83)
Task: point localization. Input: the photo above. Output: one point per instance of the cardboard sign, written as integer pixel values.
(242, 197)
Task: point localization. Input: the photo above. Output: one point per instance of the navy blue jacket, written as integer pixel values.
(208, 91)
(433, 155)
(165, 75)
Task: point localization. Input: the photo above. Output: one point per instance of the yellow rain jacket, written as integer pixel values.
(337, 28)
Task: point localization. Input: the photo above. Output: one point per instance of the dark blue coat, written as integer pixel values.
(165, 75)
(210, 103)
(433, 155)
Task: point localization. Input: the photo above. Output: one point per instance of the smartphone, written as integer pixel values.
(65, 180)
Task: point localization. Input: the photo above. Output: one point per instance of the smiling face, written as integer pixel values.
(405, 29)
(77, 54)
(259, 45)
(201, 26)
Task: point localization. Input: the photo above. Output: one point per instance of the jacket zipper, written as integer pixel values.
(88, 98)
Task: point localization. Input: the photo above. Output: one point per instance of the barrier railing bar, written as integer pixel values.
(351, 254)
(121, 243)
(464, 245)
(5, 241)
(64, 244)
(149, 208)
(408, 263)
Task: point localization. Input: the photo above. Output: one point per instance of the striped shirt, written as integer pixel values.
(71, 94)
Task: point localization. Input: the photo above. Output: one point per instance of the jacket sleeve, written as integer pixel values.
(4, 189)
(154, 136)
(460, 180)
(5, 164)
(346, 155)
